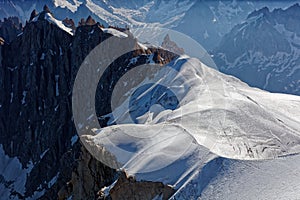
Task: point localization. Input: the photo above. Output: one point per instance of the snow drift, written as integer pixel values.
(196, 117)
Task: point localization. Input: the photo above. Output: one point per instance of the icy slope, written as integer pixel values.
(273, 179)
(193, 115)
(228, 179)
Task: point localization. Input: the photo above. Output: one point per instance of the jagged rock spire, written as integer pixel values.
(44, 12)
(167, 38)
(33, 14)
(69, 23)
(171, 45)
(90, 21)
(46, 9)
(81, 22)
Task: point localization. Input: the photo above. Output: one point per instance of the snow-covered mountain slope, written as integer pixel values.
(205, 21)
(272, 179)
(49, 17)
(196, 121)
(264, 50)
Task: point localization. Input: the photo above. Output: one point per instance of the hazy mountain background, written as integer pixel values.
(205, 21)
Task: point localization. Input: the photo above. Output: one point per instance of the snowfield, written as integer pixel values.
(203, 132)
(271, 179)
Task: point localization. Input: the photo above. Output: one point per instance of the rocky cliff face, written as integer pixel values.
(36, 119)
(127, 187)
(9, 28)
(37, 70)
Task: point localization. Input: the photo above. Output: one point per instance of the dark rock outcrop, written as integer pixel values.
(37, 72)
(87, 178)
(90, 21)
(33, 14)
(46, 9)
(128, 188)
(69, 23)
(171, 45)
(9, 28)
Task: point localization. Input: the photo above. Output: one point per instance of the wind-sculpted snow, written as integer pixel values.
(272, 179)
(216, 116)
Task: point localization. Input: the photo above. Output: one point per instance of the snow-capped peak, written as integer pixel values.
(59, 23)
(49, 17)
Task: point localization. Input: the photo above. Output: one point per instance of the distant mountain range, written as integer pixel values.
(264, 51)
(205, 21)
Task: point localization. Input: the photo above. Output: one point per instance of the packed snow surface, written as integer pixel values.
(271, 179)
(115, 32)
(197, 123)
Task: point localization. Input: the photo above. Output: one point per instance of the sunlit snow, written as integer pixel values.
(219, 119)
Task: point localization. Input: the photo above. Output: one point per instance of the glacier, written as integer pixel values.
(223, 135)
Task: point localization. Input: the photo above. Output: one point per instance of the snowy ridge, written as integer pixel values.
(67, 4)
(228, 101)
(217, 115)
(115, 32)
(59, 23)
(51, 19)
